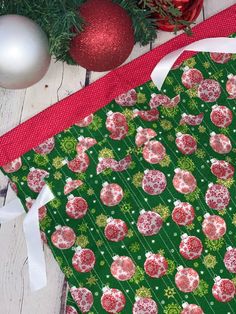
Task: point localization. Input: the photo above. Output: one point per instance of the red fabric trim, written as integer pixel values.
(68, 111)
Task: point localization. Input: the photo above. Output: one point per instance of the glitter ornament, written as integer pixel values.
(83, 297)
(144, 306)
(184, 182)
(163, 100)
(222, 169)
(71, 185)
(147, 115)
(123, 268)
(143, 136)
(186, 279)
(115, 230)
(35, 179)
(186, 143)
(71, 310)
(231, 86)
(46, 147)
(213, 226)
(128, 99)
(85, 121)
(220, 143)
(221, 116)
(209, 90)
(192, 120)
(116, 124)
(155, 265)
(223, 290)
(221, 58)
(107, 38)
(63, 238)
(191, 309)
(76, 207)
(230, 259)
(217, 196)
(154, 182)
(183, 214)
(154, 152)
(79, 164)
(190, 247)
(13, 166)
(83, 260)
(111, 194)
(112, 300)
(149, 223)
(191, 78)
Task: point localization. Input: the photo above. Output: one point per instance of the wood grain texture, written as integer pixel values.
(15, 107)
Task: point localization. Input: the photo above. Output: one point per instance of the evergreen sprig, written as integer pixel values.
(60, 20)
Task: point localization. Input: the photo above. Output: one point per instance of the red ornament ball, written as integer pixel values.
(189, 11)
(107, 39)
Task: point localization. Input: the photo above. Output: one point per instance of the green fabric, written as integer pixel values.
(90, 229)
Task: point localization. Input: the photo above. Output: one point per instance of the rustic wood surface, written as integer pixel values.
(18, 106)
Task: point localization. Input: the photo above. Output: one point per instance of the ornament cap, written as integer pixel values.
(210, 185)
(207, 215)
(139, 129)
(28, 199)
(230, 76)
(70, 197)
(64, 162)
(153, 95)
(105, 289)
(229, 248)
(148, 254)
(180, 268)
(217, 279)
(78, 249)
(32, 169)
(68, 180)
(179, 134)
(184, 115)
(143, 211)
(115, 257)
(177, 170)
(109, 113)
(146, 171)
(105, 184)
(215, 106)
(184, 305)
(58, 227)
(101, 159)
(81, 137)
(73, 288)
(178, 202)
(135, 111)
(186, 68)
(212, 133)
(110, 219)
(213, 160)
(184, 236)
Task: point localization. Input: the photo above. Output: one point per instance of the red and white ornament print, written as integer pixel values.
(71, 310)
(71, 185)
(113, 300)
(155, 265)
(186, 143)
(111, 194)
(110, 163)
(46, 147)
(223, 290)
(154, 182)
(183, 213)
(213, 226)
(220, 57)
(209, 90)
(221, 116)
(127, 99)
(79, 164)
(147, 115)
(13, 166)
(84, 143)
(115, 230)
(63, 238)
(220, 143)
(123, 268)
(154, 152)
(184, 182)
(76, 207)
(143, 136)
(191, 309)
(83, 260)
(190, 247)
(83, 297)
(85, 121)
(163, 100)
(149, 223)
(144, 306)
(42, 210)
(191, 78)
(117, 125)
(231, 86)
(186, 279)
(217, 196)
(35, 179)
(191, 119)
(222, 169)
(230, 260)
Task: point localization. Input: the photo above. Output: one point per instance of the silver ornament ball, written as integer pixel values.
(24, 52)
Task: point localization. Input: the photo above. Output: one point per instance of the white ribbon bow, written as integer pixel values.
(36, 260)
(219, 44)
